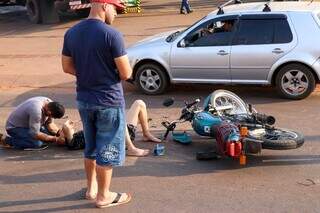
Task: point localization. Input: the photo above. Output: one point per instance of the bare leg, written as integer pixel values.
(132, 150)
(105, 196)
(138, 113)
(92, 187)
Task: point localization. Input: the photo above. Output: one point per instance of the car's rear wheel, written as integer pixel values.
(151, 79)
(295, 81)
(33, 10)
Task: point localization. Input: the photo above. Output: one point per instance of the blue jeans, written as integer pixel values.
(185, 5)
(104, 131)
(21, 138)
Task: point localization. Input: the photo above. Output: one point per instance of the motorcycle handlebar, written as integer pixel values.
(193, 103)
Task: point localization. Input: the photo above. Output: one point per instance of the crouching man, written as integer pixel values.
(31, 124)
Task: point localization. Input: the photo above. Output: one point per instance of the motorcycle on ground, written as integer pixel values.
(237, 127)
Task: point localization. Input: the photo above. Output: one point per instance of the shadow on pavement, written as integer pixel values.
(16, 23)
(65, 93)
(52, 153)
(180, 160)
(76, 196)
(57, 209)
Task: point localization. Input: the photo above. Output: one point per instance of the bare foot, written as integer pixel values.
(137, 152)
(148, 137)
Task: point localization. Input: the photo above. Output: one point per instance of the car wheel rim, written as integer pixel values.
(150, 80)
(294, 82)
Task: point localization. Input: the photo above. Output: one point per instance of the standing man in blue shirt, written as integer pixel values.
(94, 52)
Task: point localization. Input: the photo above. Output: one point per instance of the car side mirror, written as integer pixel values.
(182, 43)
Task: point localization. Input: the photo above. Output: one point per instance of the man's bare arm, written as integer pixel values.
(68, 65)
(123, 67)
(45, 138)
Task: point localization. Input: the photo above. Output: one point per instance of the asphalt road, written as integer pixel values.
(53, 180)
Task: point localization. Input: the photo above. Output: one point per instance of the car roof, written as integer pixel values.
(301, 6)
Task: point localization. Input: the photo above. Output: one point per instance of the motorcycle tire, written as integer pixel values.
(224, 97)
(281, 139)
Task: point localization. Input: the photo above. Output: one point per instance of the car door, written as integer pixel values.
(203, 54)
(259, 42)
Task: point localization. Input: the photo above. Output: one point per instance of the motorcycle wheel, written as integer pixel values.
(278, 138)
(223, 98)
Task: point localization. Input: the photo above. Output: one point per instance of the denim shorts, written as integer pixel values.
(104, 131)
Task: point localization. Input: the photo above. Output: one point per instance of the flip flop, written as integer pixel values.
(115, 202)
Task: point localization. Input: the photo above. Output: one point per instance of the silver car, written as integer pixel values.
(277, 44)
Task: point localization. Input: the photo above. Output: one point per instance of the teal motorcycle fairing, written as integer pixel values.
(203, 122)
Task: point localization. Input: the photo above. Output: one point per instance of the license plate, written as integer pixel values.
(73, 3)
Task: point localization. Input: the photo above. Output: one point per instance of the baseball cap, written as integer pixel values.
(117, 3)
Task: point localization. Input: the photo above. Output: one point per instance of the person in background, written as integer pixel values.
(185, 7)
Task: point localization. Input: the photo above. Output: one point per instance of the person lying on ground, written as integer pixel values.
(137, 114)
(32, 123)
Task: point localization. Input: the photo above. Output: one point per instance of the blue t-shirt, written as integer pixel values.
(93, 45)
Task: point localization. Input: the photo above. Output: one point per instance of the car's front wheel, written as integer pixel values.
(295, 81)
(151, 79)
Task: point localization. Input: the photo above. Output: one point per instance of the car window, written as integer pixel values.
(176, 34)
(255, 32)
(212, 33)
(282, 31)
(260, 31)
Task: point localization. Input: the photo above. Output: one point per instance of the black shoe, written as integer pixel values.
(3, 143)
(42, 147)
(190, 11)
(208, 156)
